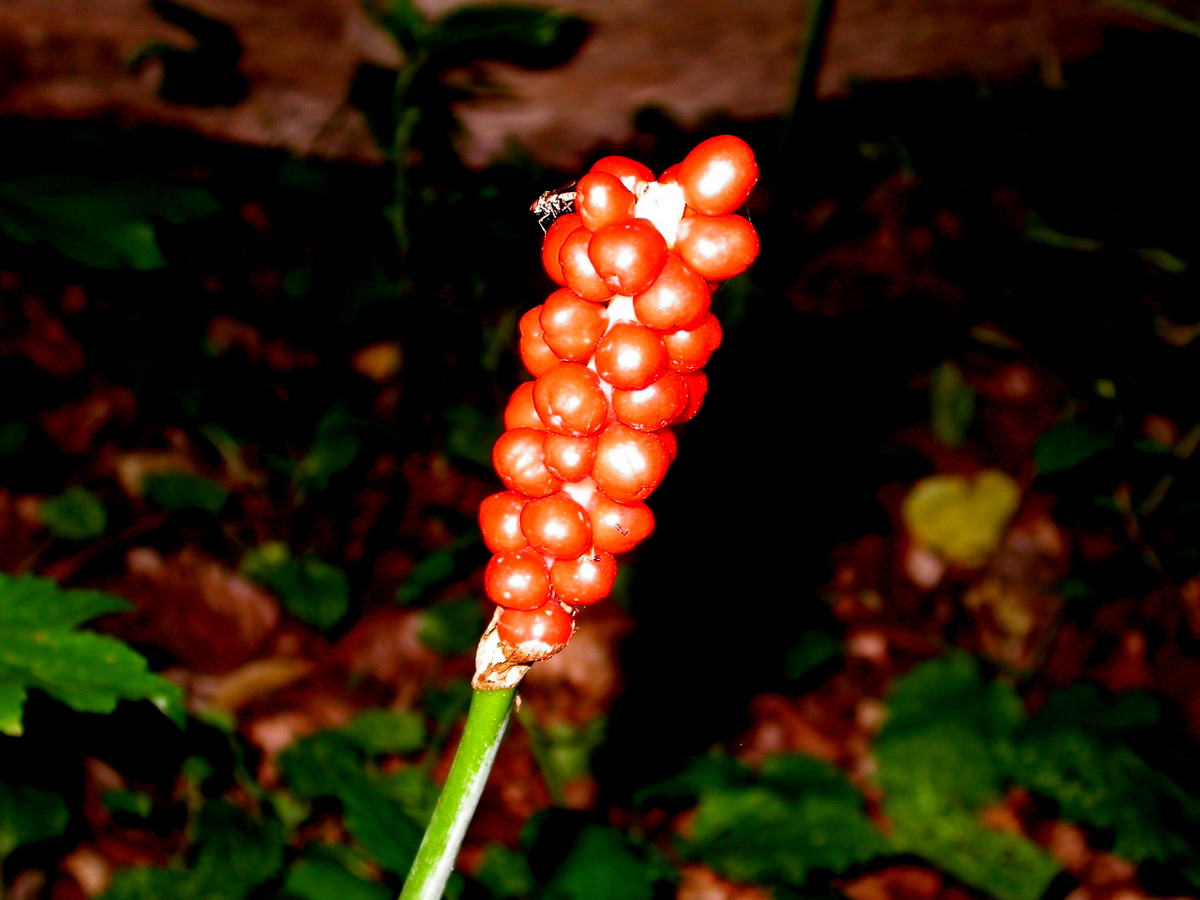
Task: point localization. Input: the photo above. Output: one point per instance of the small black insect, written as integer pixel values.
(552, 204)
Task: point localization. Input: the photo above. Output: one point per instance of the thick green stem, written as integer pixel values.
(486, 720)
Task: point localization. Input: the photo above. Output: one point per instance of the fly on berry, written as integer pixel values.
(552, 204)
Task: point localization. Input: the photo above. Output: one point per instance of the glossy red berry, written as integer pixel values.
(555, 235)
(677, 299)
(535, 353)
(579, 273)
(517, 579)
(718, 247)
(628, 255)
(630, 464)
(500, 522)
(531, 635)
(570, 457)
(718, 175)
(586, 579)
(601, 199)
(569, 399)
(696, 384)
(631, 356)
(520, 464)
(520, 412)
(652, 407)
(618, 527)
(629, 171)
(689, 349)
(572, 326)
(557, 525)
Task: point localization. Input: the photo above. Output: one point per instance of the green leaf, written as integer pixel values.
(88, 672)
(1069, 444)
(497, 32)
(76, 514)
(470, 434)
(105, 222)
(329, 764)
(137, 804)
(185, 490)
(505, 873)
(452, 627)
(313, 590)
(335, 446)
(1080, 751)
(28, 815)
(324, 879)
(601, 864)
(380, 731)
(941, 757)
(434, 570)
(799, 816)
(234, 853)
(951, 405)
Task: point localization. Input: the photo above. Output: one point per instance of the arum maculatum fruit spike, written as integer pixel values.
(617, 355)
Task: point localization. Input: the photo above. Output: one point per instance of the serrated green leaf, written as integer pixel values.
(29, 814)
(1068, 444)
(185, 490)
(387, 731)
(76, 514)
(87, 671)
(452, 627)
(1079, 751)
(941, 757)
(321, 764)
(796, 815)
(951, 405)
(313, 590)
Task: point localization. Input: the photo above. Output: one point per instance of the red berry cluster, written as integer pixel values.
(617, 355)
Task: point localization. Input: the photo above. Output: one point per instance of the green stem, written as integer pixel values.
(472, 762)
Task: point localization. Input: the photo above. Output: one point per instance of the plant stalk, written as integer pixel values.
(486, 721)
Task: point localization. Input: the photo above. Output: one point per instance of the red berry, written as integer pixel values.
(628, 255)
(631, 356)
(557, 525)
(652, 407)
(601, 199)
(569, 399)
(535, 353)
(718, 247)
(689, 349)
(520, 412)
(678, 297)
(520, 464)
(717, 175)
(697, 387)
(572, 326)
(555, 235)
(500, 522)
(579, 273)
(629, 464)
(517, 579)
(670, 440)
(629, 171)
(585, 579)
(530, 635)
(618, 527)
(568, 456)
